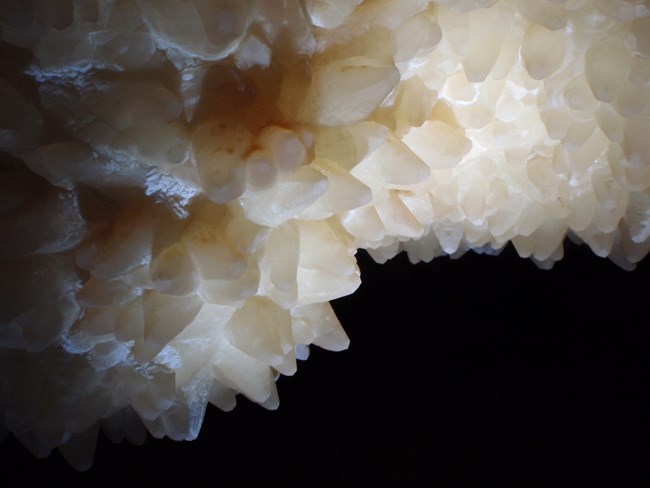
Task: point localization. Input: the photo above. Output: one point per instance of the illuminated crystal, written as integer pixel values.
(185, 183)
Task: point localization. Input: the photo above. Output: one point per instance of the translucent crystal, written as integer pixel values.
(347, 91)
(184, 184)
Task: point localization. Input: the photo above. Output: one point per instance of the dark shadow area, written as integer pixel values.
(479, 372)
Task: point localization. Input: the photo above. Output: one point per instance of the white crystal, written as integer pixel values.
(190, 180)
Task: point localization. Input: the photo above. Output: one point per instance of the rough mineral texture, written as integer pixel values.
(184, 183)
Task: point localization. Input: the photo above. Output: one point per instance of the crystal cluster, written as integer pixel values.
(184, 184)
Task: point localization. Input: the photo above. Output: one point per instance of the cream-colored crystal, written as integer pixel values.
(184, 184)
(347, 91)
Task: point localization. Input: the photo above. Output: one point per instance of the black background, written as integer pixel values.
(482, 371)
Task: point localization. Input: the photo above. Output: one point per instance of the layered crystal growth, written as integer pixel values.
(185, 183)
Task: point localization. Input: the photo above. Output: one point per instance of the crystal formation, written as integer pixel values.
(185, 183)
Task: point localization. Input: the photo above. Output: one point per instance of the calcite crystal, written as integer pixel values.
(185, 182)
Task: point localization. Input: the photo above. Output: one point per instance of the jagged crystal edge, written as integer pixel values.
(185, 184)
